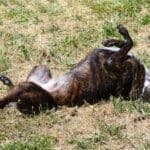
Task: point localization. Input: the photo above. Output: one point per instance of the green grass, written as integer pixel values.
(4, 60)
(22, 15)
(100, 138)
(35, 143)
(108, 30)
(59, 34)
(120, 8)
(131, 106)
(112, 130)
(53, 9)
(12, 2)
(144, 58)
(89, 143)
(25, 131)
(145, 20)
(67, 49)
(20, 43)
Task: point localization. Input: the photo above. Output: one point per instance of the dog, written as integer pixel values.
(101, 74)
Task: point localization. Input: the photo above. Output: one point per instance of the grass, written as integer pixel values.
(21, 15)
(89, 143)
(53, 10)
(109, 30)
(121, 8)
(145, 20)
(59, 33)
(4, 61)
(131, 106)
(100, 138)
(144, 57)
(39, 143)
(144, 146)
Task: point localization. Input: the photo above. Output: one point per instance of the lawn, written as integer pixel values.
(59, 33)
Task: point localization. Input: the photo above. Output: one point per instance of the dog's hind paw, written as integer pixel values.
(122, 30)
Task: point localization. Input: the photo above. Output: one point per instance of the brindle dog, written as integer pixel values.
(101, 74)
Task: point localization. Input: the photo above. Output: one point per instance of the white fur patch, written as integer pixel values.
(147, 80)
(113, 48)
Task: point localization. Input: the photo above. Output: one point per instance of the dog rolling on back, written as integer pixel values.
(101, 74)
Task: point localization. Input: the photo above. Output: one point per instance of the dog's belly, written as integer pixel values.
(59, 89)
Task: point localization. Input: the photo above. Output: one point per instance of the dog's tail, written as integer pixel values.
(6, 81)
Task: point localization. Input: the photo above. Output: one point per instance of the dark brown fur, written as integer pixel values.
(99, 75)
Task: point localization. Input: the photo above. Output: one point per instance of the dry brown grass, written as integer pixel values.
(60, 33)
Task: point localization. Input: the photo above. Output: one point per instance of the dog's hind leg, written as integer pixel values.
(119, 43)
(114, 62)
(128, 43)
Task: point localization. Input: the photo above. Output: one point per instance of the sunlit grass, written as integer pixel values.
(60, 33)
(38, 143)
(21, 15)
